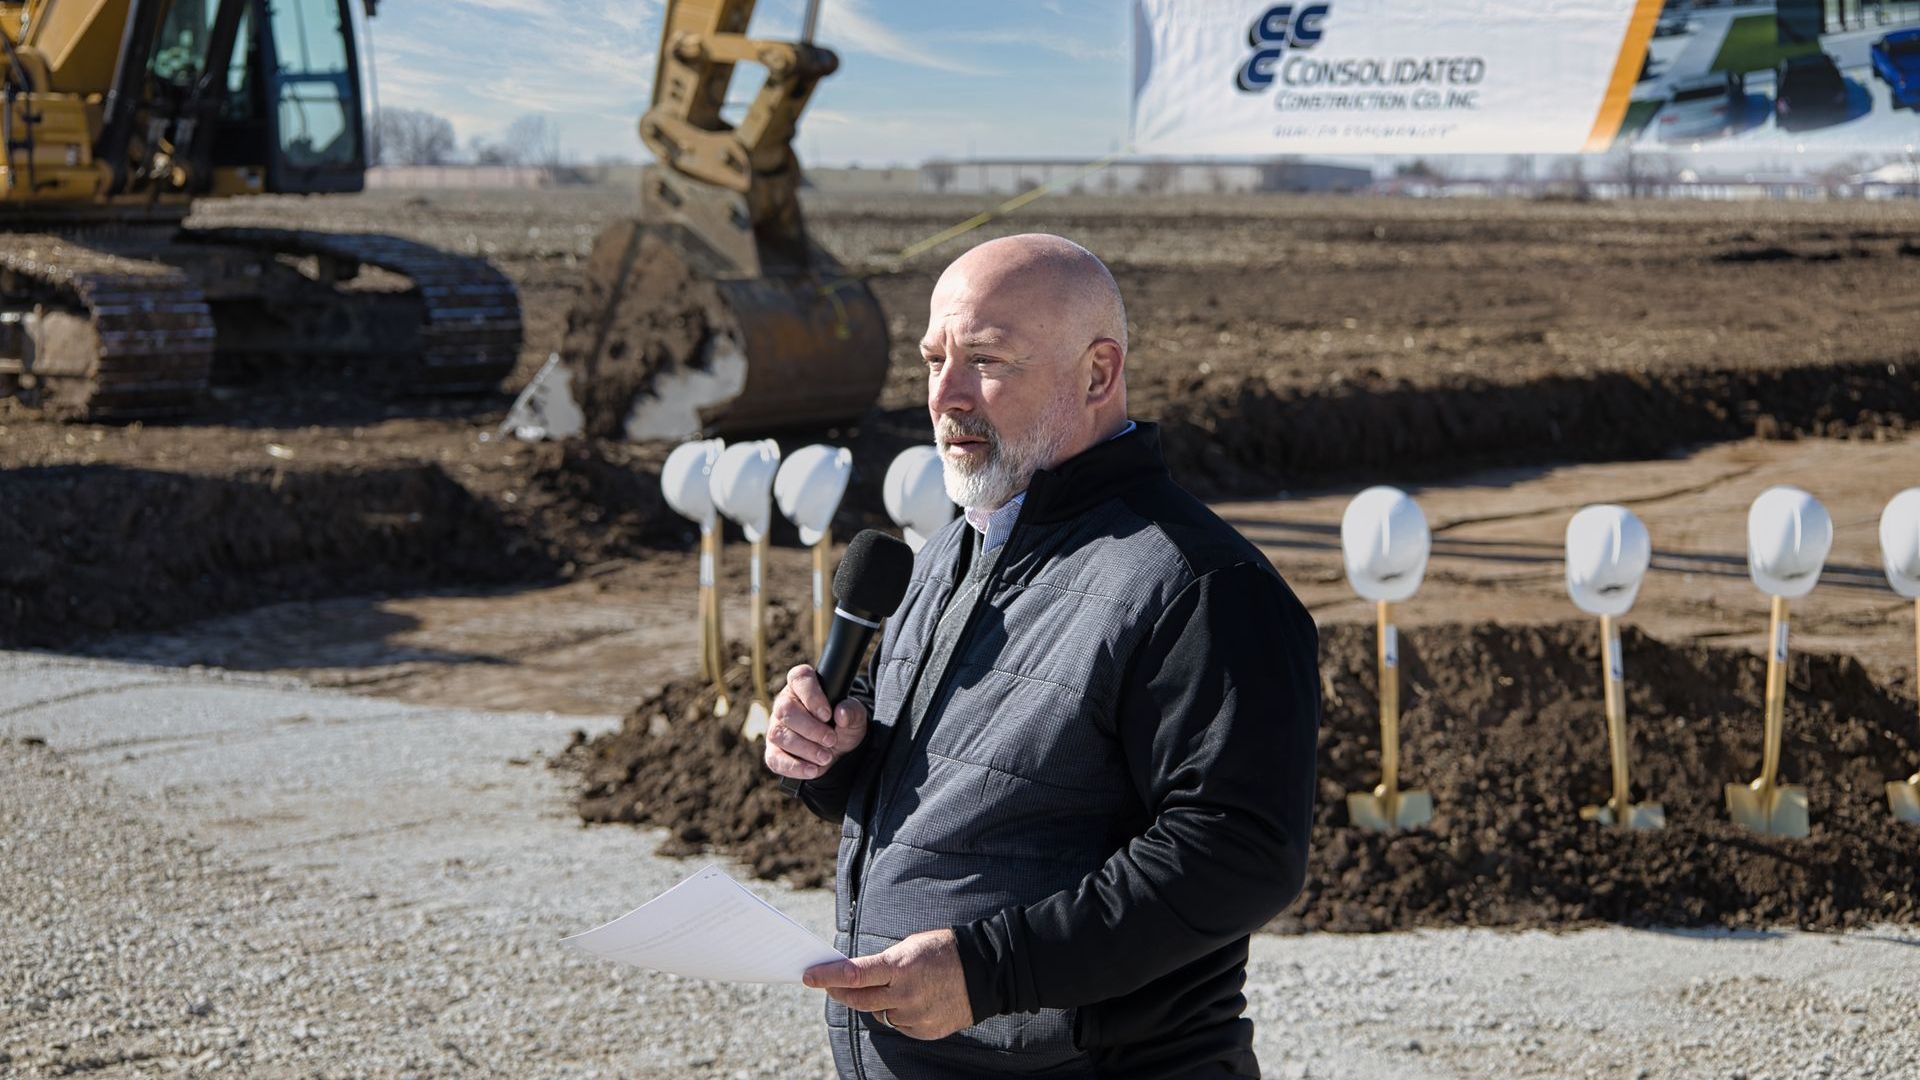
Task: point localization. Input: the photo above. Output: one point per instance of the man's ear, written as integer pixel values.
(1105, 371)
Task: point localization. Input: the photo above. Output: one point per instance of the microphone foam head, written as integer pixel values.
(872, 579)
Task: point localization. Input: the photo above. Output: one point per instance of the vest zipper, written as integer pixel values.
(873, 810)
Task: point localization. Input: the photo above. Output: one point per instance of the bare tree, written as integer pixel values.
(1644, 174)
(1158, 177)
(940, 175)
(489, 153)
(1520, 169)
(1838, 176)
(414, 137)
(1570, 178)
(533, 140)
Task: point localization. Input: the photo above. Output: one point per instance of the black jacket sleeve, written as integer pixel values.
(1219, 721)
(827, 796)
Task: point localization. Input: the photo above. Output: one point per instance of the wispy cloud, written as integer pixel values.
(1039, 38)
(589, 69)
(846, 24)
(849, 26)
(587, 65)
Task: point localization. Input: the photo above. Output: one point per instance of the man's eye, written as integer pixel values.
(934, 361)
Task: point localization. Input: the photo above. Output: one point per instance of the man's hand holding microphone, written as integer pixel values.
(808, 733)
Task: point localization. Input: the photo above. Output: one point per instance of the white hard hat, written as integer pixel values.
(684, 479)
(1608, 551)
(809, 487)
(742, 485)
(915, 494)
(1900, 542)
(1386, 543)
(1788, 536)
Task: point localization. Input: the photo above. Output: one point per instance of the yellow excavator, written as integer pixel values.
(715, 312)
(117, 116)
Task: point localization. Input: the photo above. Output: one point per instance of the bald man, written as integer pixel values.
(1088, 775)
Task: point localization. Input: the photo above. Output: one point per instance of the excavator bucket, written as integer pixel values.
(716, 313)
(668, 341)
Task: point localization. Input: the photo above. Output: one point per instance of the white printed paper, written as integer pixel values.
(709, 927)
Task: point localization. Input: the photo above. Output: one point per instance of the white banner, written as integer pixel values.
(1254, 77)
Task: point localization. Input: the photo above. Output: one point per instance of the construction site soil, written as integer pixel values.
(1281, 341)
(1504, 727)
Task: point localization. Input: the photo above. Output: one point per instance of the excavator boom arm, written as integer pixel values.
(700, 45)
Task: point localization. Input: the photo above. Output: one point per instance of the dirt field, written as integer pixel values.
(1282, 342)
(1288, 346)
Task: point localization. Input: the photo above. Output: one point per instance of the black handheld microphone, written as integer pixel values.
(868, 586)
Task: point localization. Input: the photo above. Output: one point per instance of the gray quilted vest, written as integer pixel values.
(1015, 791)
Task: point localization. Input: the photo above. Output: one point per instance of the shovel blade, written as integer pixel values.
(1386, 813)
(756, 723)
(1904, 797)
(1646, 815)
(1780, 812)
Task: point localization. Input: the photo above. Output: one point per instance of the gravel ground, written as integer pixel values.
(202, 873)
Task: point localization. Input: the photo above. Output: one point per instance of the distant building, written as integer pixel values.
(854, 180)
(463, 177)
(1140, 176)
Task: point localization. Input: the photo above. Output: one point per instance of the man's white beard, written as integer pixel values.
(1009, 465)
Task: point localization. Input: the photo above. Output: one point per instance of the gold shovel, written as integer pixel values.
(761, 711)
(1638, 815)
(1904, 795)
(713, 649)
(1766, 806)
(1386, 807)
(820, 551)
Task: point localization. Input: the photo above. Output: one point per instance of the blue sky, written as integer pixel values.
(917, 79)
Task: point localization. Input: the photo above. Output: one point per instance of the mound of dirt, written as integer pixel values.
(1505, 730)
(675, 765)
(1250, 438)
(1503, 726)
(94, 549)
(105, 548)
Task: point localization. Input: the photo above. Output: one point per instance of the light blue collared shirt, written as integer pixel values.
(997, 524)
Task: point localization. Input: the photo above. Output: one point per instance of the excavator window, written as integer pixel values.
(242, 86)
(180, 46)
(315, 97)
(309, 38)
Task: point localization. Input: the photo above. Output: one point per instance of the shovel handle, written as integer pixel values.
(1389, 656)
(1611, 670)
(1776, 694)
(710, 666)
(759, 615)
(820, 591)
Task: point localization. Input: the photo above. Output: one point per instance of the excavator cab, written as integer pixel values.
(290, 117)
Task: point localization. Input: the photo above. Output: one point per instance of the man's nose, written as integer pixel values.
(950, 389)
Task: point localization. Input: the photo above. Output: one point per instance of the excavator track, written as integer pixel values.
(470, 333)
(137, 340)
